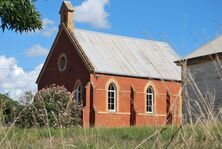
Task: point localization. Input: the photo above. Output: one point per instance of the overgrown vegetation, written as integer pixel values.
(8, 110)
(51, 107)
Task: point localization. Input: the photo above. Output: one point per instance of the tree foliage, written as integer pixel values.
(19, 15)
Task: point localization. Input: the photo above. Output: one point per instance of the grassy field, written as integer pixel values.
(167, 137)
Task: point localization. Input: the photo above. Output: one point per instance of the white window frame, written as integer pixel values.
(148, 94)
(114, 97)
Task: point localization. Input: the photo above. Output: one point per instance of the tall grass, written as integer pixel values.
(109, 137)
(171, 137)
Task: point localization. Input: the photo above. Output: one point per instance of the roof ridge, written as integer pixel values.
(123, 36)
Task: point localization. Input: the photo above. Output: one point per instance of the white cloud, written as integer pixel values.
(14, 80)
(36, 50)
(48, 28)
(46, 22)
(93, 12)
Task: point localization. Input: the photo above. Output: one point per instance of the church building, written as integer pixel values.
(119, 81)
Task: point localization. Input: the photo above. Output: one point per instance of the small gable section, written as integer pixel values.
(65, 63)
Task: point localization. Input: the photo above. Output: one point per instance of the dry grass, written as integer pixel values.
(169, 137)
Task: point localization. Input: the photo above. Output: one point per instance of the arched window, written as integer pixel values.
(169, 117)
(149, 100)
(168, 103)
(112, 95)
(78, 94)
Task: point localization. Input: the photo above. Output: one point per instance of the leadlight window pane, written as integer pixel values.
(78, 94)
(149, 100)
(112, 97)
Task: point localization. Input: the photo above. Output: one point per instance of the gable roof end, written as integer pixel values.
(75, 43)
(211, 48)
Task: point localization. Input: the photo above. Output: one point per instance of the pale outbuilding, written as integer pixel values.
(202, 82)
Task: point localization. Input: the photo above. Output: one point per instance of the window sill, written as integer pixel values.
(115, 113)
(147, 114)
(112, 111)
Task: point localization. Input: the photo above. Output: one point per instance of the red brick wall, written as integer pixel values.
(75, 67)
(121, 118)
(112, 120)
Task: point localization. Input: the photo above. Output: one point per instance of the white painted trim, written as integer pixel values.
(151, 114)
(155, 93)
(122, 91)
(115, 82)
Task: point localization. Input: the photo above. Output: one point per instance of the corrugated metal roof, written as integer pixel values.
(213, 47)
(120, 55)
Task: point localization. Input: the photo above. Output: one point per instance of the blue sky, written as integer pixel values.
(185, 24)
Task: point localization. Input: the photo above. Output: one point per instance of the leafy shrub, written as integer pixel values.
(8, 110)
(52, 107)
(27, 98)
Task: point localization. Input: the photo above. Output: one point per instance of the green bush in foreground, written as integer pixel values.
(51, 107)
(8, 110)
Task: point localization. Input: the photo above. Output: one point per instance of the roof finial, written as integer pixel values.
(66, 15)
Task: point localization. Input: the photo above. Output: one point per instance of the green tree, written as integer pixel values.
(8, 109)
(19, 15)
